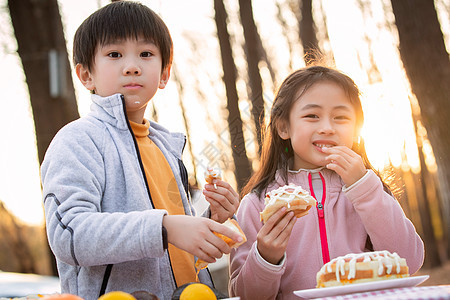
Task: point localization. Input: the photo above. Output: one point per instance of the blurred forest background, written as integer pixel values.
(232, 76)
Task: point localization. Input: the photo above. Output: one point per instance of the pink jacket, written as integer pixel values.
(349, 215)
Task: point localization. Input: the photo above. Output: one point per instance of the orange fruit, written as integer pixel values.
(197, 291)
(117, 295)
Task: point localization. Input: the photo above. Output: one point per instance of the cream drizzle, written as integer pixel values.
(384, 258)
(288, 193)
(213, 172)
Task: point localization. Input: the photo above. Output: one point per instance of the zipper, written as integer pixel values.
(141, 165)
(321, 216)
(109, 266)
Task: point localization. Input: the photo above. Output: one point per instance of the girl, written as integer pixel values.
(313, 140)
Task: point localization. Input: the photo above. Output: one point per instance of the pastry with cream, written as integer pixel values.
(362, 267)
(293, 197)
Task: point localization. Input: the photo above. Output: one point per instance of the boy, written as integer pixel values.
(115, 188)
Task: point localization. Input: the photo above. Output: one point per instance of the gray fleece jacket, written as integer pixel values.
(101, 223)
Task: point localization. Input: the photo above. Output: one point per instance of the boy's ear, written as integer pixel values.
(164, 77)
(85, 77)
(283, 129)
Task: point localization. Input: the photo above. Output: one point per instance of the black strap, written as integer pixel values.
(164, 238)
(105, 279)
(184, 176)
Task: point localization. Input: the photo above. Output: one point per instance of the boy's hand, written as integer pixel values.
(346, 162)
(223, 200)
(273, 237)
(196, 236)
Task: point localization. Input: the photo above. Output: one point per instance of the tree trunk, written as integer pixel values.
(285, 28)
(252, 53)
(373, 73)
(42, 49)
(427, 66)
(432, 258)
(265, 58)
(242, 165)
(41, 46)
(308, 32)
(324, 38)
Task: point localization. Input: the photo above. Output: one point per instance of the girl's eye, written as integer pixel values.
(311, 116)
(114, 54)
(146, 54)
(342, 118)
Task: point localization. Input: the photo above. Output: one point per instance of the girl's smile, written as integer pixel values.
(323, 144)
(322, 117)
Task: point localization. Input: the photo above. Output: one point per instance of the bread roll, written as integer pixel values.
(293, 197)
(232, 224)
(362, 267)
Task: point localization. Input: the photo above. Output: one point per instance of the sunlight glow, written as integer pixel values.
(364, 44)
(388, 129)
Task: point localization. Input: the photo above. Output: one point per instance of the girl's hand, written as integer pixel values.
(346, 162)
(273, 237)
(223, 200)
(196, 236)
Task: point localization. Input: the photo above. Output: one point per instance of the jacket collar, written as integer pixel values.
(301, 176)
(111, 110)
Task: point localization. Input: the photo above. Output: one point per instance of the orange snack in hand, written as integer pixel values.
(211, 174)
(231, 223)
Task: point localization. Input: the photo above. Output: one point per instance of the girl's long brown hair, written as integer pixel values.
(276, 152)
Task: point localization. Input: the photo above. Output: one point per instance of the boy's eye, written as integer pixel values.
(146, 54)
(342, 118)
(114, 54)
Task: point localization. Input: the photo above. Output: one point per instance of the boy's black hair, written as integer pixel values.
(121, 20)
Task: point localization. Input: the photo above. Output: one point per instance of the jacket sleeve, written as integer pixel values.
(249, 278)
(385, 222)
(79, 233)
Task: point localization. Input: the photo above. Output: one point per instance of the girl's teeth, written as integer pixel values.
(323, 146)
